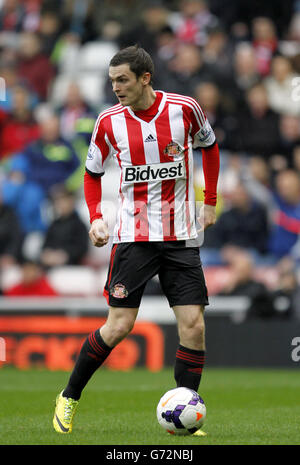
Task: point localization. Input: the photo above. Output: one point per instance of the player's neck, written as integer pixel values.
(146, 100)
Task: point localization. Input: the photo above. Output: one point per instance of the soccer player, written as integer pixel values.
(151, 135)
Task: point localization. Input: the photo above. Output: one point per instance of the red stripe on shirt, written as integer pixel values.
(101, 143)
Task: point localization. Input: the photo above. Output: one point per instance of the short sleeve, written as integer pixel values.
(99, 149)
(201, 130)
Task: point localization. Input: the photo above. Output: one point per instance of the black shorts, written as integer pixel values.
(133, 264)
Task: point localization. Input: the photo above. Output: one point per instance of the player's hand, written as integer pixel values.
(99, 233)
(207, 217)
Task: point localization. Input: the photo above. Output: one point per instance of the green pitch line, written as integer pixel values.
(243, 407)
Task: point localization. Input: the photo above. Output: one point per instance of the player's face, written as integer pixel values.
(128, 88)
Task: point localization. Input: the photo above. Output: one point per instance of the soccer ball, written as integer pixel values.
(181, 411)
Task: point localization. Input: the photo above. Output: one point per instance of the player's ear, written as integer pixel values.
(146, 78)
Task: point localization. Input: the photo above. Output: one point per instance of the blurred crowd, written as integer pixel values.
(239, 59)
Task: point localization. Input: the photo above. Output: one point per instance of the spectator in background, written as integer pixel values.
(10, 235)
(187, 69)
(218, 52)
(49, 31)
(154, 17)
(34, 283)
(287, 293)
(166, 44)
(285, 228)
(34, 66)
(296, 158)
(258, 132)
(66, 241)
(82, 18)
(243, 283)
(84, 127)
(18, 128)
(295, 60)
(65, 53)
(294, 28)
(32, 15)
(245, 74)
(265, 43)
(51, 159)
(243, 12)
(11, 16)
(8, 72)
(243, 224)
(73, 108)
(27, 198)
(279, 86)
(289, 126)
(195, 21)
(257, 180)
(223, 122)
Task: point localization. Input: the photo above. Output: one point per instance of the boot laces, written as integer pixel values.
(69, 409)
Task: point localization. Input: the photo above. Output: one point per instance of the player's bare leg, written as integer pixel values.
(191, 326)
(94, 352)
(118, 325)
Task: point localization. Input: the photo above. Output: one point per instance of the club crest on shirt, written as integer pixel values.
(119, 291)
(173, 150)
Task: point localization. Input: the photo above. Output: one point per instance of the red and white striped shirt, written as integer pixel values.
(156, 195)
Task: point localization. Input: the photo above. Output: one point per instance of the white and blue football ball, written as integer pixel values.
(181, 411)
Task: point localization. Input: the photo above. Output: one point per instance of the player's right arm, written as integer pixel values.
(98, 153)
(98, 232)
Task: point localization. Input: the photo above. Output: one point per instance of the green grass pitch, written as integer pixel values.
(243, 407)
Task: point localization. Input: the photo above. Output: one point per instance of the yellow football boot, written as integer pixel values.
(64, 413)
(199, 432)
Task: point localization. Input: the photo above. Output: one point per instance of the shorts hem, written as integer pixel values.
(205, 303)
(120, 305)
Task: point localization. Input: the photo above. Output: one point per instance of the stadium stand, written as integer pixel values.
(242, 65)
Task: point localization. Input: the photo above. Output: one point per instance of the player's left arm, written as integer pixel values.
(211, 167)
(204, 138)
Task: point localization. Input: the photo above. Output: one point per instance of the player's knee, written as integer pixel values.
(121, 329)
(192, 329)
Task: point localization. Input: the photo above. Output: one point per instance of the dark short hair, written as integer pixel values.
(138, 59)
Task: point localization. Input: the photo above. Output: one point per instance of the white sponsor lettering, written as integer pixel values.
(155, 172)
